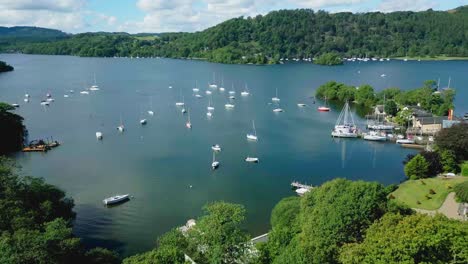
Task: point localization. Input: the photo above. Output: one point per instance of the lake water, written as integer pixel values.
(158, 163)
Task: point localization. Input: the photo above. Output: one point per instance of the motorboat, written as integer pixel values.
(15, 105)
(45, 103)
(150, 112)
(405, 141)
(99, 135)
(276, 98)
(229, 106)
(84, 92)
(214, 163)
(232, 97)
(374, 136)
(198, 96)
(183, 111)
(301, 105)
(116, 199)
(208, 92)
(323, 109)
(143, 122)
(26, 100)
(209, 114)
(278, 110)
(252, 159)
(216, 147)
(381, 127)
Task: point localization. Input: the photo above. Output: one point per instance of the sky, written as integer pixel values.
(134, 16)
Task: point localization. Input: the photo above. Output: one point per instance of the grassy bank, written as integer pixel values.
(436, 58)
(412, 191)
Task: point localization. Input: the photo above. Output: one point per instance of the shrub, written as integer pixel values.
(464, 169)
(461, 191)
(417, 168)
(432, 192)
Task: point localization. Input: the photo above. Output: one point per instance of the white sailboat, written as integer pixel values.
(196, 87)
(142, 120)
(229, 106)
(245, 92)
(150, 112)
(214, 163)
(345, 128)
(189, 123)
(121, 127)
(213, 84)
(94, 87)
(278, 110)
(210, 107)
(232, 92)
(252, 159)
(254, 135)
(301, 105)
(208, 92)
(180, 103)
(221, 89)
(216, 147)
(276, 98)
(99, 135)
(209, 114)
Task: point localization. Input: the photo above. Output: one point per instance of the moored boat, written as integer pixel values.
(116, 199)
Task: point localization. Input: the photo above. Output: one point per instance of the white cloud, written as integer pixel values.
(404, 5)
(49, 5)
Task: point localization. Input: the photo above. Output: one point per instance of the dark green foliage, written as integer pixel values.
(29, 34)
(391, 108)
(454, 139)
(411, 239)
(4, 67)
(433, 159)
(448, 161)
(13, 130)
(461, 191)
(329, 59)
(280, 34)
(101, 256)
(464, 169)
(417, 168)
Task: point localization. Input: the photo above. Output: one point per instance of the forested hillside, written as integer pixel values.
(285, 34)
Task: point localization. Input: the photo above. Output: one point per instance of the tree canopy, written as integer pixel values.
(4, 67)
(13, 130)
(301, 33)
(417, 168)
(454, 139)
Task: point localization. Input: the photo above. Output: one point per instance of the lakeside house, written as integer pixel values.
(428, 125)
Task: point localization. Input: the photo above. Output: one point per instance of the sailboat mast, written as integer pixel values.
(253, 125)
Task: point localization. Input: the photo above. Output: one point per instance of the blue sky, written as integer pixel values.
(177, 15)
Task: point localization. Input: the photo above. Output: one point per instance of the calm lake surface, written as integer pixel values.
(158, 163)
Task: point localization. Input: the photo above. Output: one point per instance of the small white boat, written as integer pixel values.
(278, 110)
(198, 96)
(216, 147)
(99, 135)
(72, 91)
(210, 107)
(374, 136)
(214, 163)
(121, 127)
(15, 105)
(170, 87)
(229, 106)
(251, 159)
(45, 103)
(84, 92)
(50, 99)
(301, 105)
(302, 191)
(323, 109)
(65, 96)
(212, 85)
(26, 100)
(245, 93)
(209, 114)
(116, 199)
(232, 97)
(221, 89)
(254, 135)
(383, 75)
(208, 92)
(188, 124)
(405, 141)
(196, 90)
(142, 121)
(48, 95)
(94, 88)
(26, 95)
(150, 112)
(183, 111)
(179, 104)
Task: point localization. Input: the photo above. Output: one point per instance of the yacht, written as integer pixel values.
(94, 87)
(374, 136)
(209, 114)
(121, 127)
(345, 128)
(116, 199)
(99, 135)
(254, 135)
(301, 105)
(196, 87)
(405, 141)
(208, 92)
(84, 92)
(278, 110)
(276, 98)
(251, 159)
(213, 84)
(245, 92)
(229, 106)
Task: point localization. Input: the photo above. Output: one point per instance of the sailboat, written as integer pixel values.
(214, 163)
(216, 147)
(99, 135)
(208, 92)
(245, 92)
(229, 105)
(180, 96)
(275, 99)
(222, 85)
(210, 107)
(188, 124)
(121, 127)
(94, 87)
(343, 127)
(213, 84)
(251, 159)
(254, 135)
(278, 109)
(150, 112)
(142, 120)
(232, 92)
(196, 87)
(324, 108)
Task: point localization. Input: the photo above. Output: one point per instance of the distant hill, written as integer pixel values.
(301, 33)
(29, 34)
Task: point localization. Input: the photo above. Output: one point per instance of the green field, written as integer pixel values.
(146, 37)
(412, 191)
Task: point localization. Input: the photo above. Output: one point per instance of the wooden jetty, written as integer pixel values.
(413, 146)
(38, 148)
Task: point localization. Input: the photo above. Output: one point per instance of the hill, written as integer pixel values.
(301, 33)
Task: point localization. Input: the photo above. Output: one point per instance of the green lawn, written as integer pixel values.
(412, 191)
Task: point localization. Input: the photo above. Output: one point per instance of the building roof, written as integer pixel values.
(431, 120)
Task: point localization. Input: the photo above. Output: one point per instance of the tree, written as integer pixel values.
(448, 162)
(365, 95)
(410, 239)
(5, 67)
(329, 59)
(391, 108)
(218, 237)
(454, 139)
(13, 130)
(336, 213)
(101, 256)
(417, 168)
